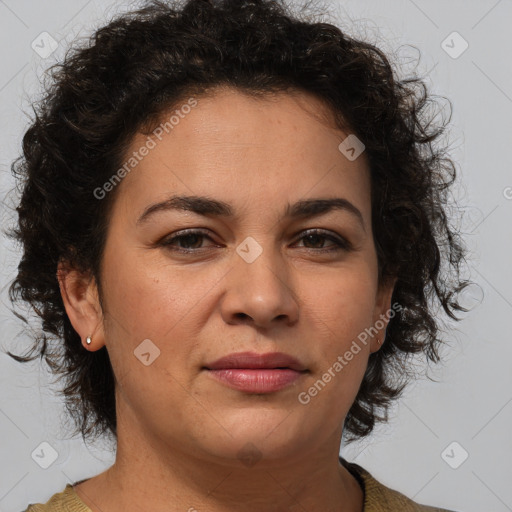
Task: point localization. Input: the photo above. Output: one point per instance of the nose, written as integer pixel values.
(260, 293)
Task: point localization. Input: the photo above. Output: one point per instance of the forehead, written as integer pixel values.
(280, 145)
(227, 115)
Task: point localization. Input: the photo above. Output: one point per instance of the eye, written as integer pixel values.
(190, 241)
(189, 237)
(316, 236)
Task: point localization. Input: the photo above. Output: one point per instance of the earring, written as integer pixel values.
(88, 340)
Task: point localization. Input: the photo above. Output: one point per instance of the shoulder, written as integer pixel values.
(64, 501)
(379, 498)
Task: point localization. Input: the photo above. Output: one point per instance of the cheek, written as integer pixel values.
(147, 297)
(340, 309)
(151, 302)
(343, 303)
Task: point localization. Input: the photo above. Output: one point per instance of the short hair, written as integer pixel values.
(143, 63)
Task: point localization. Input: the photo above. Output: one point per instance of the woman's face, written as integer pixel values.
(251, 281)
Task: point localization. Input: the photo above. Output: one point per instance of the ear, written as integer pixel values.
(81, 299)
(383, 312)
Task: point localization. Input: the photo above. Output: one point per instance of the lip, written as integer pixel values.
(253, 360)
(256, 373)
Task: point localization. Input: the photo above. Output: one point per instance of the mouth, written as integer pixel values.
(257, 373)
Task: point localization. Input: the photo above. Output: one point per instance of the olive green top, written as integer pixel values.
(377, 497)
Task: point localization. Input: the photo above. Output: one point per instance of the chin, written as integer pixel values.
(258, 435)
(250, 452)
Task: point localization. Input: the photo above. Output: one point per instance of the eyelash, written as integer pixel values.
(341, 243)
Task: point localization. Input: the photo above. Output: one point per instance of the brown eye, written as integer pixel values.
(189, 241)
(318, 237)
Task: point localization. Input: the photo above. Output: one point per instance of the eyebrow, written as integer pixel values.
(214, 208)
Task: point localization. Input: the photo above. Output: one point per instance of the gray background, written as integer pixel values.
(470, 403)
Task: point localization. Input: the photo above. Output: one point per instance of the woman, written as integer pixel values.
(234, 221)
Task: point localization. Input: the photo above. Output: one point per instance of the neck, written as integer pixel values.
(167, 478)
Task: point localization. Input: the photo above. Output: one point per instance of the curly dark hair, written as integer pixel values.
(143, 63)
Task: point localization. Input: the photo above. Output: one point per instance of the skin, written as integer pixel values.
(180, 432)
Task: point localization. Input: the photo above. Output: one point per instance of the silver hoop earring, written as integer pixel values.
(88, 340)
